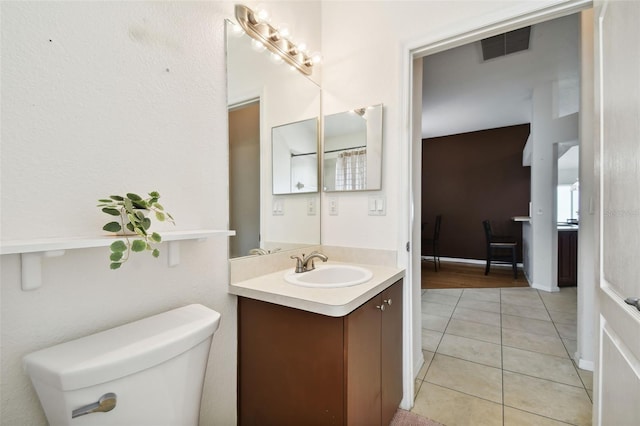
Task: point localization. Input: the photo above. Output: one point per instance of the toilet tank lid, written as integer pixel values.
(123, 350)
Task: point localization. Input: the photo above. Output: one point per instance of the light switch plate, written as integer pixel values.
(377, 206)
(332, 203)
(311, 206)
(278, 207)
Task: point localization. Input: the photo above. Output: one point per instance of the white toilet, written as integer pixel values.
(149, 372)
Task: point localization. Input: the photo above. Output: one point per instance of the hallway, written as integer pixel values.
(500, 356)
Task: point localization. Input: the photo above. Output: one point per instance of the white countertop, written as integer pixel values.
(335, 302)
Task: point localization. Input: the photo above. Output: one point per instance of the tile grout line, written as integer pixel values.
(575, 367)
(435, 351)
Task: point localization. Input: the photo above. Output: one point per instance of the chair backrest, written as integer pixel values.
(487, 231)
(436, 228)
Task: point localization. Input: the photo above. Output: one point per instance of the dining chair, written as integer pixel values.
(434, 242)
(499, 249)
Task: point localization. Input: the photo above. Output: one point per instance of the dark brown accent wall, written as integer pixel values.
(471, 177)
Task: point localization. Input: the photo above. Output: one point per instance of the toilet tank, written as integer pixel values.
(154, 366)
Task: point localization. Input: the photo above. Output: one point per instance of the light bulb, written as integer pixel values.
(284, 31)
(316, 58)
(236, 30)
(257, 45)
(261, 13)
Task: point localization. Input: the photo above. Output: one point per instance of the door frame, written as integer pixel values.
(411, 103)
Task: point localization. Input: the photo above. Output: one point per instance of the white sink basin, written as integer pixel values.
(330, 276)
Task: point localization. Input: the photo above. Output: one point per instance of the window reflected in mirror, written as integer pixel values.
(353, 150)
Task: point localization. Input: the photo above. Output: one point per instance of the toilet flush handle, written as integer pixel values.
(107, 402)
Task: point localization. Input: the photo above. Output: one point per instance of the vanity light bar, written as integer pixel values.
(272, 40)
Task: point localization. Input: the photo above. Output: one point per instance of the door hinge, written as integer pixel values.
(408, 246)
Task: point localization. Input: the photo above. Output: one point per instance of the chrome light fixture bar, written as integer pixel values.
(272, 40)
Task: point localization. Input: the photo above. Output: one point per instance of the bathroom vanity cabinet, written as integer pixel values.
(301, 368)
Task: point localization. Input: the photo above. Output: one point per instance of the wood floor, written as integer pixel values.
(464, 275)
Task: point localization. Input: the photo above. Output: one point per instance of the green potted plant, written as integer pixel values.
(133, 213)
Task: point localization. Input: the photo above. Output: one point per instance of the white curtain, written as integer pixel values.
(351, 170)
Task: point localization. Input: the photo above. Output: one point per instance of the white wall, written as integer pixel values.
(547, 131)
(587, 247)
(101, 98)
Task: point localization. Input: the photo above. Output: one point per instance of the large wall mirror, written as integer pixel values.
(264, 95)
(353, 150)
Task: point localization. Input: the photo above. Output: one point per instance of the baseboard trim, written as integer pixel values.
(583, 364)
(547, 289)
(469, 261)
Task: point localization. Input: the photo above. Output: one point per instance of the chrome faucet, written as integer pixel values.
(302, 264)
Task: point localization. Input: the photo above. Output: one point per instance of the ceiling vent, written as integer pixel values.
(505, 44)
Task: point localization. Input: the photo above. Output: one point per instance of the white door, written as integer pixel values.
(617, 391)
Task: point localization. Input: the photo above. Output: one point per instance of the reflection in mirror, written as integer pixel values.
(265, 223)
(295, 157)
(568, 189)
(244, 176)
(353, 150)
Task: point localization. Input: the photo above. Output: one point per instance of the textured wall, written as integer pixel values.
(100, 98)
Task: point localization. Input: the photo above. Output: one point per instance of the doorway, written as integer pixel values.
(415, 56)
(479, 118)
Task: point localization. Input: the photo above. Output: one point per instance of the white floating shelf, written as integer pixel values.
(32, 251)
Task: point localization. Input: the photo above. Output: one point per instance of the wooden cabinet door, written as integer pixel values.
(300, 368)
(362, 349)
(567, 258)
(290, 366)
(391, 352)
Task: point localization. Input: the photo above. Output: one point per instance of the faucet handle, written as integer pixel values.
(299, 267)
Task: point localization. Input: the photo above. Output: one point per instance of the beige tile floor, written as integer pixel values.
(501, 357)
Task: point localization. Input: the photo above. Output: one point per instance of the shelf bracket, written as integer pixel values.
(31, 265)
(173, 251)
